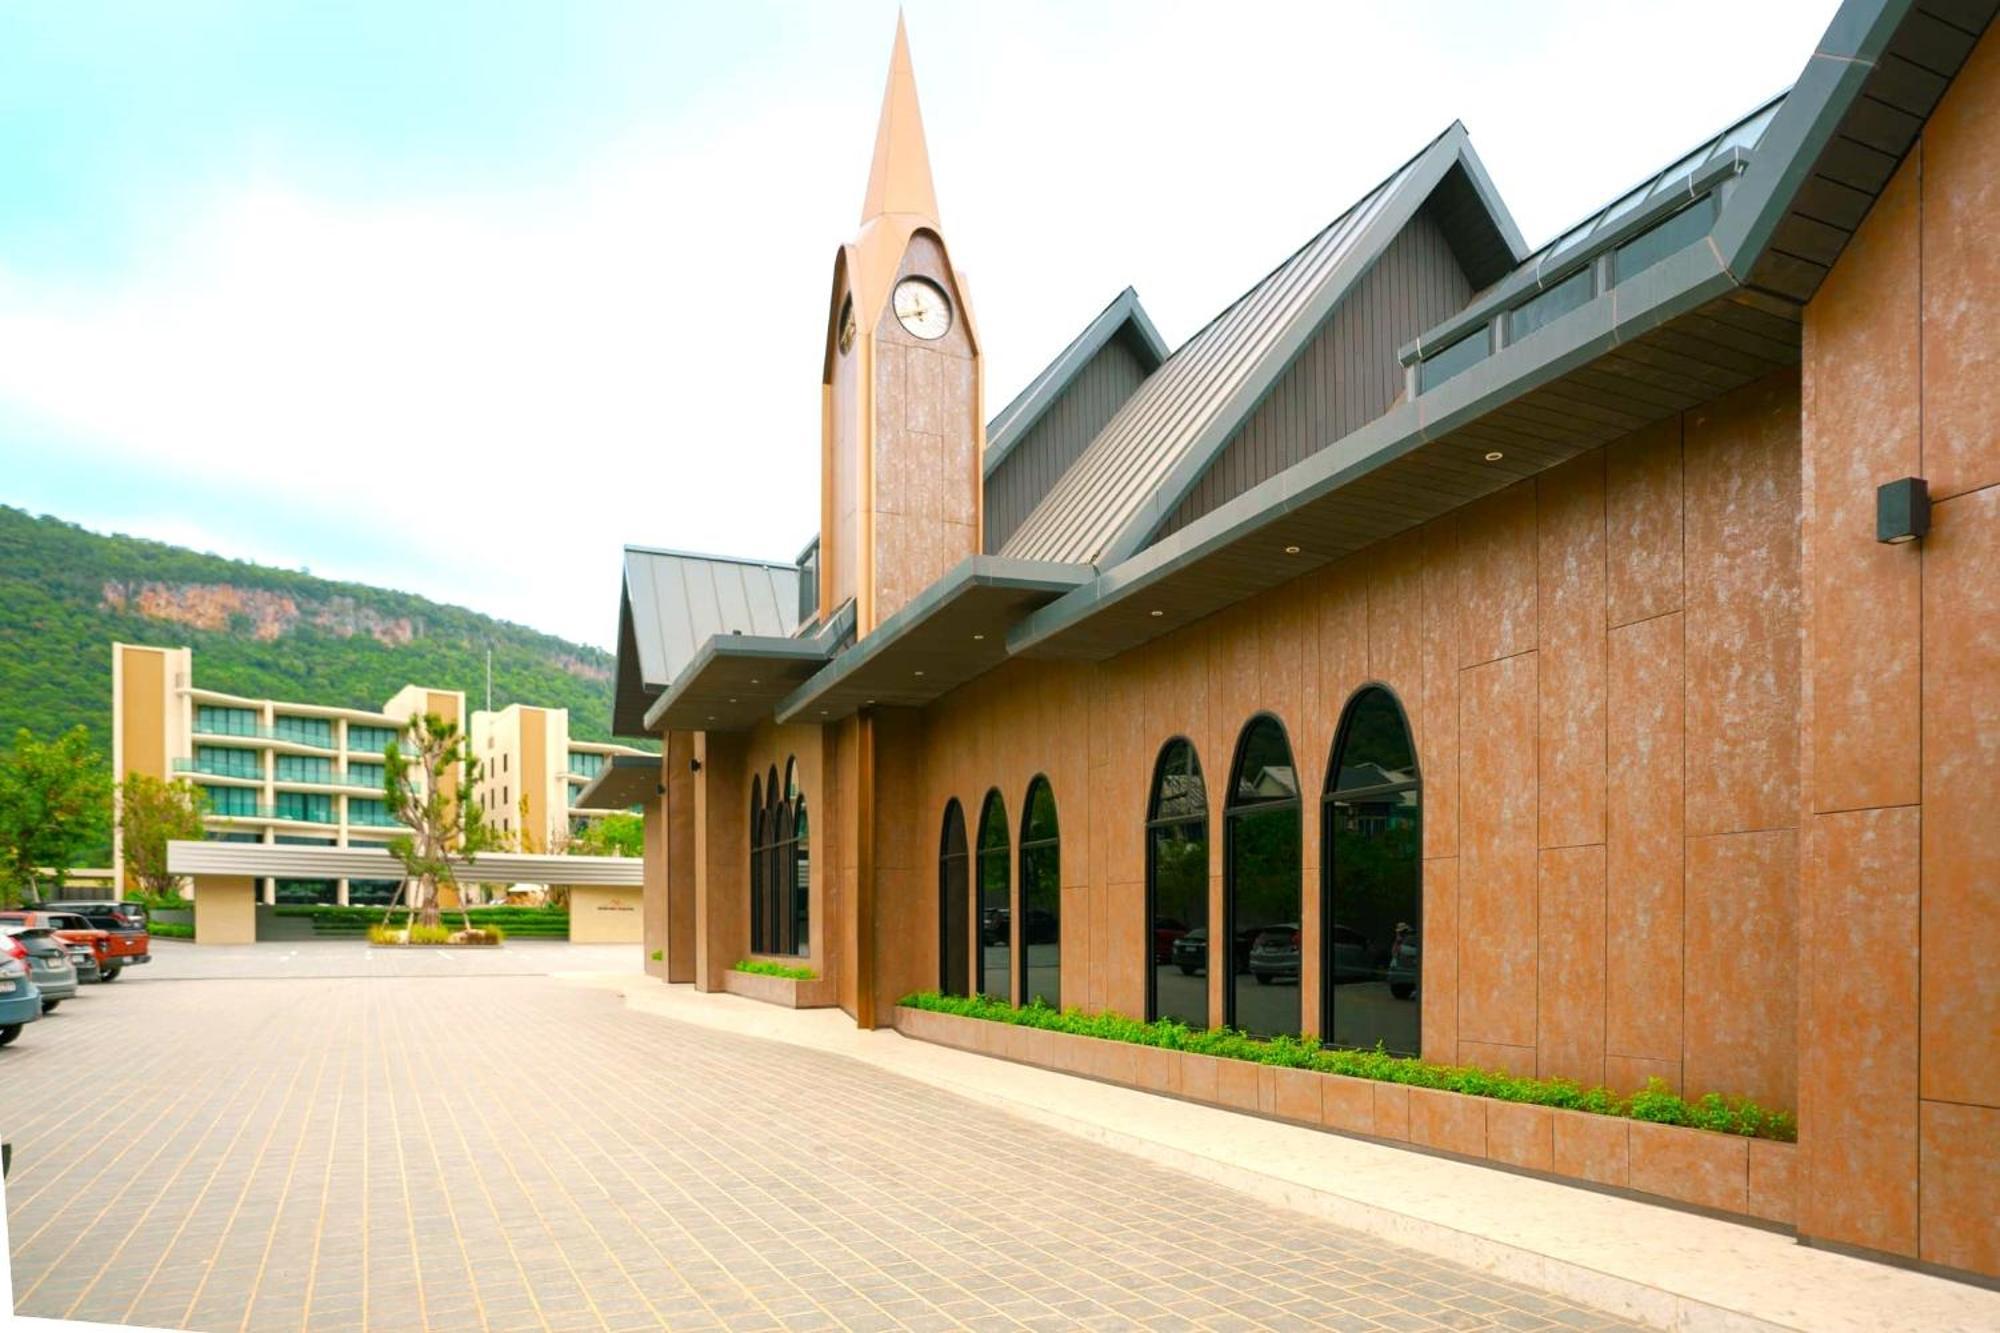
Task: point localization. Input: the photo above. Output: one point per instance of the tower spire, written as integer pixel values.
(899, 180)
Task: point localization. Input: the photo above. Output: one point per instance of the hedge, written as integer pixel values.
(518, 922)
(170, 930)
(758, 967)
(1656, 1102)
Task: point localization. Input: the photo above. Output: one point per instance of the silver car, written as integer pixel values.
(49, 965)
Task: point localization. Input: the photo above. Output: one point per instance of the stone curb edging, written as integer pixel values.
(1726, 1173)
(786, 992)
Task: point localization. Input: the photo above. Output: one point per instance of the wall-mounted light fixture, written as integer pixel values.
(1902, 510)
(694, 765)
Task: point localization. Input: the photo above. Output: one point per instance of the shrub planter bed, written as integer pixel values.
(780, 984)
(1731, 1173)
(433, 937)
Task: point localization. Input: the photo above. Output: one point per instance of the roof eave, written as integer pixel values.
(1014, 421)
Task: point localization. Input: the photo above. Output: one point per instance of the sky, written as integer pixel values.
(460, 297)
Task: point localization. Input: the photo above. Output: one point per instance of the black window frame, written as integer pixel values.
(954, 904)
(1156, 822)
(1332, 794)
(1233, 811)
(993, 814)
(1023, 845)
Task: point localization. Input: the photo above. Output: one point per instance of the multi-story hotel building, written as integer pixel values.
(311, 774)
(531, 771)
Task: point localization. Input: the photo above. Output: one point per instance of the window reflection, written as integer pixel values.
(1177, 888)
(954, 904)
(996, 954)
(1372, 838)
(1041, 899)
(1261, 887)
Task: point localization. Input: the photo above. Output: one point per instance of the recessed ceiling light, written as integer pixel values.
(1156, 612)
(1291, 550)
(1494, 455)
(871, 703)
(917, 672)
(755, 681)
(732, 701)
(977, 637)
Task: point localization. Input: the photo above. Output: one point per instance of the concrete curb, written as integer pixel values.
(1651, 1264)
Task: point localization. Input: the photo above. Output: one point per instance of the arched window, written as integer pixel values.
(798, 867)
(1177, 888)
(996, 937)
(954, 904)
(1260, 840)
(757, 836)
(1371, 880)
(1041, 898)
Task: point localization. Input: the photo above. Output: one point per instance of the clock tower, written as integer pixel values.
(902, 420)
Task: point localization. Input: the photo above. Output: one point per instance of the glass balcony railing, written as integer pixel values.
(372, 781)
(262, 733)
(369, 819)
(212, 768)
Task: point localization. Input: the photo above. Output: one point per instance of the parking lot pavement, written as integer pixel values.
(318, 1136)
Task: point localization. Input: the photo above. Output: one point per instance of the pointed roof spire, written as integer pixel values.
(899, 180)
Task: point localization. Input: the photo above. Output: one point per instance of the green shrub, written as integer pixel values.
(1656, 1102)
(659, 956)
(758, 967)
(170, 930)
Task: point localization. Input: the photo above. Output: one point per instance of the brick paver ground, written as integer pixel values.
(316, 1137)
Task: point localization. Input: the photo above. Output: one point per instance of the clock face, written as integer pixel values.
(922, 308)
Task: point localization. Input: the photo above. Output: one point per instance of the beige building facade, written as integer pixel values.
(531, 772)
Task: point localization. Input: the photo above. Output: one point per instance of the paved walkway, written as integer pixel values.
(232, 1141)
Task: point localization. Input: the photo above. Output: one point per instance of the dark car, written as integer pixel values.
(1274, 956)
(131, 942)
(20, 1001)
(1353, 960)
(994, 923)
(1190, 952)
(1165, 931)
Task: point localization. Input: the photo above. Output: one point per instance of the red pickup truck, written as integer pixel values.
(69, 926)
(128, 941)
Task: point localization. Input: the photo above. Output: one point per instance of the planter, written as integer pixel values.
(787, 992)
(1723, 1172)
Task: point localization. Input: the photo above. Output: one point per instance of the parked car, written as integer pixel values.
(72, 929)
(49, 966)
(995, 923)
(20, 1000)
(131, 942)
(1352, 959)
(1275, 954)
(1165, 931)
(1403, 970)
(1191, 949)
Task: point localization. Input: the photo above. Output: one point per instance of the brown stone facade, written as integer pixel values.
(1899, 920)
(1707, 772)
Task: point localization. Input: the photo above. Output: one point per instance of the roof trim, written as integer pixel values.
(1451, 149)
(263, 860)
(907, 624)
(626, 780)
(1672, 288)
(723, 647)
(1029, 406)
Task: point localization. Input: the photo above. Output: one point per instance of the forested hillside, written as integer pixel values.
(66, 594)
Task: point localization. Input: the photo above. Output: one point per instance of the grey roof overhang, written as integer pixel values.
(1878, 72)
(1030, 405)
(670, 602)
(625, 781)
(1668, 339)
(954, 631)
(735, 681)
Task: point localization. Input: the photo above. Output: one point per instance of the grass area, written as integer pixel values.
(170, 930)
(758, 967)
(1656, 1102)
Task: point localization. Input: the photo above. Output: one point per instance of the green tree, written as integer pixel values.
(152, 813)
(54, 799)
(612, 835)
(428, 788)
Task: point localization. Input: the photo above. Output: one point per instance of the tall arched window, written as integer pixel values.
(1261, 853)
(996, 939)
(1371, 880)
(798, 867)
(954, 904)
(1041, 898)
(1177, 888)
(757, 837)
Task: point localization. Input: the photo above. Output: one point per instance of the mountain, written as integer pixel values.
(66, 594)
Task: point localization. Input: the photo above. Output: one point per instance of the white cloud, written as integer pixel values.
(514, 382)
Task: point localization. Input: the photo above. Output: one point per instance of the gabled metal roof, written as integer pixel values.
(1123, 315)
(1136, 471)
(675, 601)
